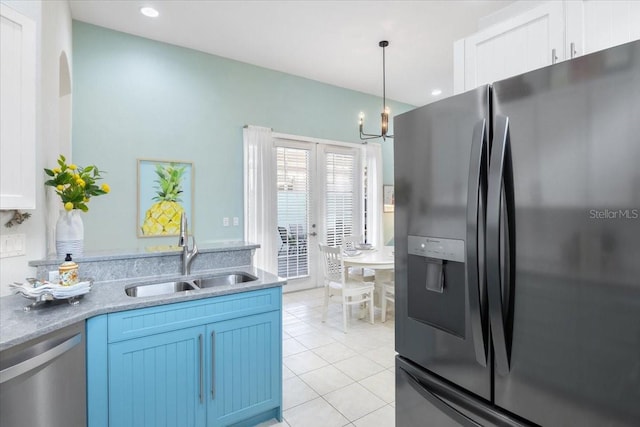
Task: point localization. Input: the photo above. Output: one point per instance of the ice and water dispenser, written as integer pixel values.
(436, 282)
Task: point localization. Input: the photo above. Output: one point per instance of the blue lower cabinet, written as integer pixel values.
(158, 380)
(200, 363)
(245, 372)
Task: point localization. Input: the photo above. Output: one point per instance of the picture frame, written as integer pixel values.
(388, 198)
(175, 188)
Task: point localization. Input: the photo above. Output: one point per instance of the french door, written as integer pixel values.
(319, 200)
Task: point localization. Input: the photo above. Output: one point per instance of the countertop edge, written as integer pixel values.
(117, 255)
(18, 326)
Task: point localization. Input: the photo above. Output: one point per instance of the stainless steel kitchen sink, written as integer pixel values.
(163, 288)
(153, 289)
(224, 279)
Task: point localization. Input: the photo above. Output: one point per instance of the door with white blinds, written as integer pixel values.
(319, 200)
(295, 170)
(342, 204)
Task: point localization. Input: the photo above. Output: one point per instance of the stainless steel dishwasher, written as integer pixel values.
(43, 381)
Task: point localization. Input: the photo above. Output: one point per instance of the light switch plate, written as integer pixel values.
(225, 221)
(12, 245)
(236, 221)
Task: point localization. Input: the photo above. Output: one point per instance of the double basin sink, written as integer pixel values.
(163, 288)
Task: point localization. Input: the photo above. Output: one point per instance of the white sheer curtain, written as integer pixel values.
(373, 159)
(260, 210)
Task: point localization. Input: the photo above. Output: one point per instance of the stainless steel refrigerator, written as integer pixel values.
(517, 242)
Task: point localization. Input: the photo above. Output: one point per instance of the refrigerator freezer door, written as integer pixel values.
(433, 147)
(575, 148)
(423, 399)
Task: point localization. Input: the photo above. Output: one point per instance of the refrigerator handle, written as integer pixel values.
(500, 244)
(443, 406)
(476, 202)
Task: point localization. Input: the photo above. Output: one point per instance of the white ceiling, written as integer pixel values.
(335, 42)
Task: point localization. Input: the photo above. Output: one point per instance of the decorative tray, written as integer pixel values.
(46, 292)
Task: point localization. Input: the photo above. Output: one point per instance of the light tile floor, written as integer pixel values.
(331, 378)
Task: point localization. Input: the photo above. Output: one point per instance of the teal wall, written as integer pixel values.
(137, 98)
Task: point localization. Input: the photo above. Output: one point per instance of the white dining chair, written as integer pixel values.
(352, 292)
(388, 295)
(357, 273)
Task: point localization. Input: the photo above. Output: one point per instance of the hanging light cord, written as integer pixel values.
(384, 66)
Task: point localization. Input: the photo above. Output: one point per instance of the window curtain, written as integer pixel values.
(373, 161)
(260, 225)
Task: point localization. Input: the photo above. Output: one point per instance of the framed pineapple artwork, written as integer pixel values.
(165, 190)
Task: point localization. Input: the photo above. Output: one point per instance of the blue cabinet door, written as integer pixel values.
(244, 376)
(158, 380)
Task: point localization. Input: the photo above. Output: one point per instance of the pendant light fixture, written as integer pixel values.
(385, 110)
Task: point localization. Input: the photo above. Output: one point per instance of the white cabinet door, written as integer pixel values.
(610, 23)
(17, 110)
(528, 41)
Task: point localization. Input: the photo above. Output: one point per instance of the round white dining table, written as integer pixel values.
(373, 259)
(382, 262)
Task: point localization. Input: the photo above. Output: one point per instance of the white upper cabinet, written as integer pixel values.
(17, 110)
(610, 23)
(528, 41)
(551, 32)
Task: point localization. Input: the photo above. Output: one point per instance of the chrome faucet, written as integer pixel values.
(183, 242)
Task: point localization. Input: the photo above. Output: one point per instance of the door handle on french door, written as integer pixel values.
(475, 203)
(500, 246)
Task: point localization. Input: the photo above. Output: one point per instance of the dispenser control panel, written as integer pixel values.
(436, 247)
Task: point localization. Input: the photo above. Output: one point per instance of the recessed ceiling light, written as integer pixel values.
(149, 11)
(436, 92)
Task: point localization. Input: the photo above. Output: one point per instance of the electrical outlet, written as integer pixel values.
(12, 245)
(225, 221)
(236, 221)
(54, 277)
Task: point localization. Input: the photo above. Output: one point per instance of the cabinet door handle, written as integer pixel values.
(213, 365)
(574, 52)
(554, 57)
(201, 368)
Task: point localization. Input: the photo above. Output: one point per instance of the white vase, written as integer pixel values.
(70, 233)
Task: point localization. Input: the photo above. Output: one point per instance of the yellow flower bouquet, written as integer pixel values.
(75, 185)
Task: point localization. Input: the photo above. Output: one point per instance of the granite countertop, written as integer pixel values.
(18, 326)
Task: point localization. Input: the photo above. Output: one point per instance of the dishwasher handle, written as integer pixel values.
(35, 362)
